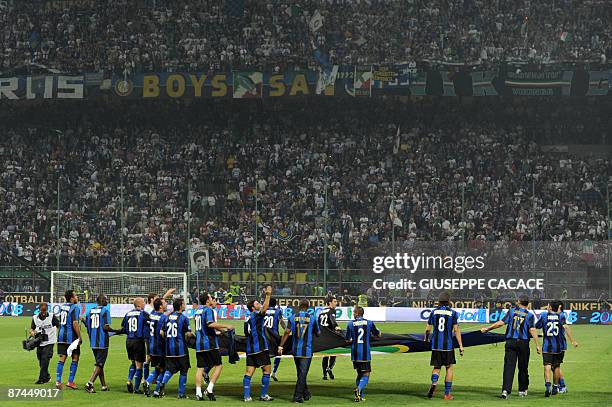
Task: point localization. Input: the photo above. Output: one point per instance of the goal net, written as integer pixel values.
(119, 287)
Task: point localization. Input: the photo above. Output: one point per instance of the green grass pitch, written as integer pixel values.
(397, 379)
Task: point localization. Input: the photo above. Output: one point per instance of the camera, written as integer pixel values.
(33, 342)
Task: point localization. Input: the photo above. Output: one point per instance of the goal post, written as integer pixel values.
(118, 286)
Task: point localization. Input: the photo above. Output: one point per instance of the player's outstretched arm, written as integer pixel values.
(168, 293)
(266, 303)
(570, 335)
(428, 329)
(221, 327)
(493, 326)
(283, 340)
(459, 340)
(534, 335)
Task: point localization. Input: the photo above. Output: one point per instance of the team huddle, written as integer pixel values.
(157, 342)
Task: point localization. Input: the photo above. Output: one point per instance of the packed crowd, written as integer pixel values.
(161, 35)
(317, 174)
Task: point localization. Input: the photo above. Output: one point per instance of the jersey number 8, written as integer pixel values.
(441, 324)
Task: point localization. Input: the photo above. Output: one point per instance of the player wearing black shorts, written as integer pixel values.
(97, 321)
(358, 335)
(444, 321)
(207, 344)
(69, 331)
(257, 348)
(327, 319)
(156, 345)
(134, 325)
(554, 325)
(176, 331)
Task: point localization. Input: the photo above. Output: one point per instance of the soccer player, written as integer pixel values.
(97, 321)
(69, 331)
(274, 320)
(149, 307)
(176, 330)
(444, 322)
(207, 345)
(135, 325)
(358, 333)
(156, 345)
(257, 349)
(553, 325)
(327, 319)
(520, 324)
(303, 326)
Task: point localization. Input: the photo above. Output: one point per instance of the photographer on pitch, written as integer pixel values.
(44, 325)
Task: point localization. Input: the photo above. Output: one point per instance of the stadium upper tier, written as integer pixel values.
(160, 35)
(455, 172)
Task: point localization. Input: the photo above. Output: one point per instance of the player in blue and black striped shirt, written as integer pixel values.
(303, 327)
(135, 326)
(358, 334)
(156, 345)
(257, 347)
(520, 325)
(207, 344)
(176, 330)
(443, 322)
(554, 325)
(273, 321)
(69, 331)
(97, 321)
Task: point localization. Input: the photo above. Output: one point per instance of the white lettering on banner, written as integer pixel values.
(8, 87)
(46, 87)
(70, 87)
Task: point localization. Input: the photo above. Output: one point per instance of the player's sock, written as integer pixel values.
(137, 379)
(59, 371)
(73, 369)
(332, 362)
(277, 361)
(131, 372)
(447, 388)
(434, 378)
(265, 382)
(199, 391)
(182, 384)
(153, 375)
(167, 377)
(357, 380)
(211, 387)
(363, 382)
(160, 377)
(547, 385)
(561, 383)
(145, 369)
(246, 384)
